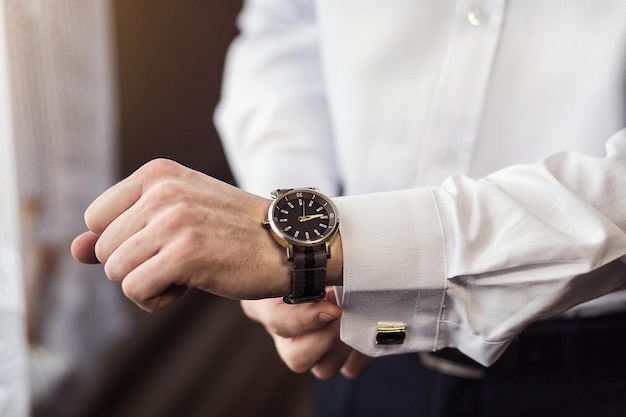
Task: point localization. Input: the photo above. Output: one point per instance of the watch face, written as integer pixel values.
(303, 217)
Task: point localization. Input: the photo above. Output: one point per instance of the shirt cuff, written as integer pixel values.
(394, 269)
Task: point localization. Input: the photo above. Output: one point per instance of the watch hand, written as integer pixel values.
(303, 219)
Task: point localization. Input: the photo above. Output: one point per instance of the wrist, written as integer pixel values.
(305, 223)
(273, 269)
(334, 276)
(279, 279)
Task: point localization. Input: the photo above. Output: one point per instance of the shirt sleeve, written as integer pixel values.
(471, 263)
(272, 117)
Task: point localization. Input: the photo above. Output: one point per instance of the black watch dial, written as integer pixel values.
(303, 217)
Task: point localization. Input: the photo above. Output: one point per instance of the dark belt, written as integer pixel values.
(590, 345)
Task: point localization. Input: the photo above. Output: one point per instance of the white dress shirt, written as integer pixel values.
(480, 147)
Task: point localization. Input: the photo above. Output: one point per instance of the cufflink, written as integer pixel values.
(390, 334)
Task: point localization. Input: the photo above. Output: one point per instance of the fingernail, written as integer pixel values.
(326, 318)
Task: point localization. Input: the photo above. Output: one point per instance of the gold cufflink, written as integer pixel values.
(390, 334)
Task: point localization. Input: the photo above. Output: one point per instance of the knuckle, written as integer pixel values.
(274, 327)
(351, 373)
(296, 363)
(185, 247)
(179, 220)
(177, 214)
(165, 190)
(325, 371)
(150, 307)
(290, 325)
(93, 218)
(281, 332)
(293, 357)
(159, 167)
(101, 251)
(249, 310)
(146, 306)
(132, 292)
(91, 221)
(112, 273)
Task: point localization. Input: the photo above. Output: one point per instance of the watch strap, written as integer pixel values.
(308, 277)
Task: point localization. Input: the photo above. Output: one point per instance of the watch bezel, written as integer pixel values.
(287, 239)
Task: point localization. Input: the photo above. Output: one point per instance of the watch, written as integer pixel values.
(304, 221)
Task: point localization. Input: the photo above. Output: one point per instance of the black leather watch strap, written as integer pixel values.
(308, 277)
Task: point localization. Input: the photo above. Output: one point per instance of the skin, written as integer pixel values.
(306, 336)
(167, 228)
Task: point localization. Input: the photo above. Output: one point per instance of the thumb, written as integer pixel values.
(84, 248)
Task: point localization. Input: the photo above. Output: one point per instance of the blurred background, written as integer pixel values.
(97, 88)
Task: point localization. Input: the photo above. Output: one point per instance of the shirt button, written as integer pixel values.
(445, 156)
(477, 17)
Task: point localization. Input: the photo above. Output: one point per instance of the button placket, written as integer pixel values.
(454, 118)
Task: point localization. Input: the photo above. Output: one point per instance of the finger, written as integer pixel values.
(161, 300)
(356, 364)
(111, 203)
(331, 363)
(303, 319)
(301, 353)
(261, 310)
(166, 199)
(310, 317)
(147, 283)
(331, 295)
(122, 228)
(288, 320)
(117, 199)
(83, 248)
(151, 295)
(129, 255)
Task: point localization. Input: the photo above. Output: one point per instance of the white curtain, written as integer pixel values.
(14, 397)
(62, 112)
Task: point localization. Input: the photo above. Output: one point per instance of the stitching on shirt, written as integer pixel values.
(418, 296)
(442, 304)
(420, 290)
